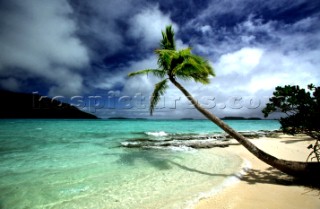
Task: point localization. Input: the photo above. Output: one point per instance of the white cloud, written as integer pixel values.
(141, 83)
(242, 61)
(38, 38)
(278, 68)
(66, 83)
(131, 86)
(110, 81)
(205, 28)
(238, 8)
(247, 39)
(250, 66)
(180, 45)
(147, 63)
(147, 25)
(253, 24)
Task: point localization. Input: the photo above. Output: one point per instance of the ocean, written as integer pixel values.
(82, 163)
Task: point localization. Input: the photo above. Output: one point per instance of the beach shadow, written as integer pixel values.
(148, 156)
(268, 176)
(158, 160)
(299, 140)
(198, 171)
(274, 176)
(251, 176)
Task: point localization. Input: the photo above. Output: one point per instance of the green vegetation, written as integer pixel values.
(175, 64)
(302, 110)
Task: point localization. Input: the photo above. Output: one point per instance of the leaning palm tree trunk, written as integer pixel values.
(293, 168)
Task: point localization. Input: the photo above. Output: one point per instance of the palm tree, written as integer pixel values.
(182, 64)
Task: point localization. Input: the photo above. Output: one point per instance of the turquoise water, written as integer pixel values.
(80, 164)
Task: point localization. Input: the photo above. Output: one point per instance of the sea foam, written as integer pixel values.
(156, 134)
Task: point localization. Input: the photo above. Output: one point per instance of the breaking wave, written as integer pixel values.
(160, 133)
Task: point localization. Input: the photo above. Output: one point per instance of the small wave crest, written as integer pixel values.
(173, 148)
(157, 134)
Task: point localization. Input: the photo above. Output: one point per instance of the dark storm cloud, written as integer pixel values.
(37, 40)
(102, 24)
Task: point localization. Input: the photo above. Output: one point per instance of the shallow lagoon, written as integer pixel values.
(80, 164)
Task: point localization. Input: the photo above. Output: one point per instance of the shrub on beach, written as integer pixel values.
(302, 112)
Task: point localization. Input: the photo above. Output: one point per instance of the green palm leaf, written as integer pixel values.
(168, 41)
(183, 64)
(159, 89)
(192, 68)
(155, 72)
(165, 57)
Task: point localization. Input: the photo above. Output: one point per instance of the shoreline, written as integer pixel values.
(229, 182)
(263, 186)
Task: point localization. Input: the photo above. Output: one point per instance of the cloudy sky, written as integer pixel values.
(82, 51)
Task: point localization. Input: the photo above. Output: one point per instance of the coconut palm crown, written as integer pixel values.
(174, 64)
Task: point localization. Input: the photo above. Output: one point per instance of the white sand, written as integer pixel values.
(264, 187)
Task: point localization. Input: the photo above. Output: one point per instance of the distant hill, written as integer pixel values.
(24, 105)
(239, 118)
(124, 118)
(254, 118)
(118, 118)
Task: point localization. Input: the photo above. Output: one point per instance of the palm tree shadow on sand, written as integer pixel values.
(158, 160)
(276, 177)
(151, 157)
(251, 176)
(254, 176)
(268, 176)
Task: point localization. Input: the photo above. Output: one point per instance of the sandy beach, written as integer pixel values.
(264, 187)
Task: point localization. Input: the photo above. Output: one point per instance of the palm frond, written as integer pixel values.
(159, 89)
(193, 67)
(165, 57)
(168, 41)
(156, 72)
